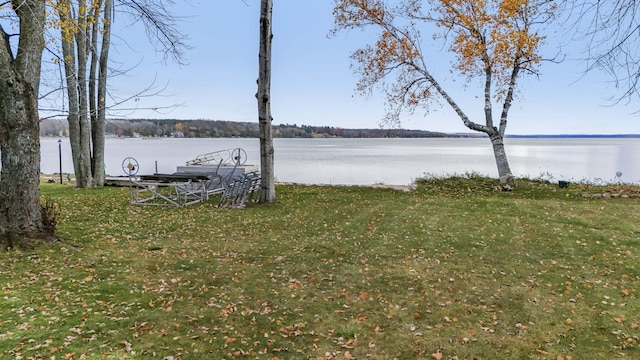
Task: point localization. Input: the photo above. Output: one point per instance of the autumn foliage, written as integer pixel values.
(497, 39)
(492, 41)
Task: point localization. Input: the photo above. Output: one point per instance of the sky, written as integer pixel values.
(314, 84)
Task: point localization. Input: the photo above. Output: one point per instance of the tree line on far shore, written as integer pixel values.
(223, 128)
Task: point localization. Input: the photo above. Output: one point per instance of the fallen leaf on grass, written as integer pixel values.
(437, 355)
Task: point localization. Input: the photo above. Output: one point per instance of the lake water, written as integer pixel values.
(370, 161)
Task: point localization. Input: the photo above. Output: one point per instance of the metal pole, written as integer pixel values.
(60, 158)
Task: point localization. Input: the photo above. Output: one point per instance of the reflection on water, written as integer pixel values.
(369, 161)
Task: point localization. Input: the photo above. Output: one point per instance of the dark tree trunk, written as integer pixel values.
(20, 216)
(267, 191)
(20, 178)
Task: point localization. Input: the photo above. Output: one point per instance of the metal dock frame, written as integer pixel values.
(169, 190)
(238, 192)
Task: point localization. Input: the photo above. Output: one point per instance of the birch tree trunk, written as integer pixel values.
(94, 14)
(99, 120)
(499, 153)
(75, 36)
(267, 191)
(69, 57)
(20, 216)
(83, 178)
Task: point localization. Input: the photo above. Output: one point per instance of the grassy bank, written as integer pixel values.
(453, 270)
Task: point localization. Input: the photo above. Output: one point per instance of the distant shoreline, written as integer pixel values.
(577, 136)
(160, 128)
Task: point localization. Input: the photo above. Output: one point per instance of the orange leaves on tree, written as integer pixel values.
(493, 35)
(496, 39)
(72, 19)
(352, 13)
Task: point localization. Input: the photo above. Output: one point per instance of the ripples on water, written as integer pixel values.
(389, 161)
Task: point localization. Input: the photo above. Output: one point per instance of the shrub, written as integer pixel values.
(50, 214)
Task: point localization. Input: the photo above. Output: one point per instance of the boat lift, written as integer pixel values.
(208, 174)
(235, 156)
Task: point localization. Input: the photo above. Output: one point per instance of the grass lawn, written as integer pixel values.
(453, 270)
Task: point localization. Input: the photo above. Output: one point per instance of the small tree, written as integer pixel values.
(20, 215)
(267, 192)
(494, 41)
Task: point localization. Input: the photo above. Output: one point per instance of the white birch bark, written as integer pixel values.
(267, 191)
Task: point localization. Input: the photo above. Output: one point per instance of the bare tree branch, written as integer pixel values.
(611, 33)
(162, 27)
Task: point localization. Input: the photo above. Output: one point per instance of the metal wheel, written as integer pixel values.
(130, 166)
(239, 156)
